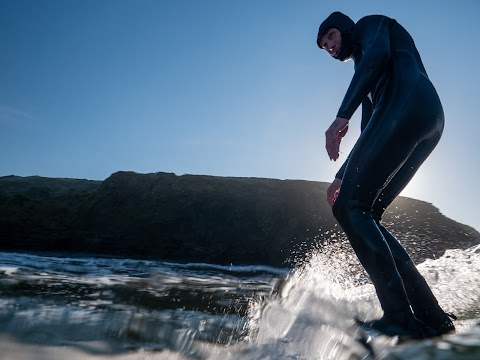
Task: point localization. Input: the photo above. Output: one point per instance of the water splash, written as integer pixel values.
(312, 316)
(455, 281)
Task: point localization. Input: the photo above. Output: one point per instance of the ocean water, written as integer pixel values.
(91, 308)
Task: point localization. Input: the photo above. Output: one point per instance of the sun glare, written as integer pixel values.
(416, 188)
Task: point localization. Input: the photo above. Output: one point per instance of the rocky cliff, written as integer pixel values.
(197, 218)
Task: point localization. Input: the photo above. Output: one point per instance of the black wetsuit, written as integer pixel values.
(402, 122)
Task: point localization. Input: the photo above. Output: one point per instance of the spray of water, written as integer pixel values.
(312, 314)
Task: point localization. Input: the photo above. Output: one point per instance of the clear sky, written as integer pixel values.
(217, 87)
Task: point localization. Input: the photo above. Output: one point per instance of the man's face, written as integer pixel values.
(332, 41)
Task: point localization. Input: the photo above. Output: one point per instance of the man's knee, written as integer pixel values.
(347, 211)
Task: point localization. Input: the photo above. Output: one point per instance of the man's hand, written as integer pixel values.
(334, 136)
(333, 190)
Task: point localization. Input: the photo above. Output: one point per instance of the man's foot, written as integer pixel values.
(438, 320)
(406, 326)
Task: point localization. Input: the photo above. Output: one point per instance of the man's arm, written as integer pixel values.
(373, 35)
(367, 111)
(366, 115)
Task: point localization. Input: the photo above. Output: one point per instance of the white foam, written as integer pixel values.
(8, 270)
(455, 281)
(313, 314)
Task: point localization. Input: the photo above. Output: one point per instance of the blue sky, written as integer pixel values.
(217, 87)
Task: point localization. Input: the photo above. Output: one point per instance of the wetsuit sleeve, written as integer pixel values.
(367, 111)
(373, 36)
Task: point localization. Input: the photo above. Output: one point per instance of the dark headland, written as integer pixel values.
(195, 218)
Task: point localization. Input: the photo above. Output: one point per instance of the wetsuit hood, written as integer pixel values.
(345, 25)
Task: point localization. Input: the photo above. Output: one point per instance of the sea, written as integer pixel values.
(64, 307)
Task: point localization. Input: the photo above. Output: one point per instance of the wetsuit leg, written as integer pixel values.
(418, 291)
(386, 144)
(422, 300)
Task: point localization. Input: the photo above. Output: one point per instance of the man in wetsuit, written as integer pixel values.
(402, 122)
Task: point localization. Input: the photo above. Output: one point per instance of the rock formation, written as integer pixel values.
(194, 218)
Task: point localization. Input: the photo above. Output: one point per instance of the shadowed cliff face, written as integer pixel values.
(198, 219)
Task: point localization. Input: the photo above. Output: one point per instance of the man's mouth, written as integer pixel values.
(334, 53)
